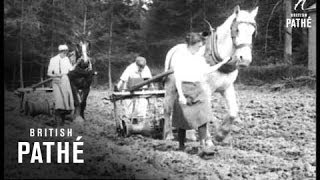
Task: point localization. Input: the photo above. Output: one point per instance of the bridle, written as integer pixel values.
(234, 32)
(79, 55)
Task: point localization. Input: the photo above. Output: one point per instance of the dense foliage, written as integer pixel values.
(122, 29)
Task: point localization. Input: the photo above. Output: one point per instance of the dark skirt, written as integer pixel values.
(196, 112)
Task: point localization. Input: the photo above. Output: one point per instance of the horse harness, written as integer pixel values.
(234, 31)
(213, 44)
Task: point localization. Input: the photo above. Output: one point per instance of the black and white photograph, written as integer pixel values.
(159, 89)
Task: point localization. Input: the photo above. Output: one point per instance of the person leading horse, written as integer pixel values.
(58, 69)
(231, 39)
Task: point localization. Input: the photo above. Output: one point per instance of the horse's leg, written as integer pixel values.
(208, 91)
(170, 96)
(225, 128)
(76, 100)
(83, 104)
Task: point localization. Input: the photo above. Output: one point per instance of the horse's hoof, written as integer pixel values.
(235, 128)
(227, 140)
(192, 150)
(224, 139)
(208, 153)
(220, 137)
(238, 120)
(79, 120)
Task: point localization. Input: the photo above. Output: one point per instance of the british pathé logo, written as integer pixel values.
(299, 20)
(300, 2)
(36, 149)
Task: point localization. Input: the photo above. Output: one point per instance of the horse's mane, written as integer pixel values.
(226, 24)
(243, 15)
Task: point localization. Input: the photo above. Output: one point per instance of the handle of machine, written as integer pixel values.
(155, 78)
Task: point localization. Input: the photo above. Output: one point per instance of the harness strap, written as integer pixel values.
(243, 45)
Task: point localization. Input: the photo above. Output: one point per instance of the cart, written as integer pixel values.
(34, 107)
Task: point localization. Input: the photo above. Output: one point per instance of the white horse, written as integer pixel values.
(231, 39)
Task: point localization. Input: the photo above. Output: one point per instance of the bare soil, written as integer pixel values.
(275, 139)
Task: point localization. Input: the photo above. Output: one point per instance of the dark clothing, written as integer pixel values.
(196, 112)
(182, 135)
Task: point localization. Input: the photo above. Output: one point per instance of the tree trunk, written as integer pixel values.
(14, 75)
(268, 23)
(109, 52)
(85, 17)
(30, 71)
(191, 21)
(52, 31)
(64, 11)
(204, 10)
(304, 32)
(190, 18)
(280, 28)
(288, 35)
(21, 47)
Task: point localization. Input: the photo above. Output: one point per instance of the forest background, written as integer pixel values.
(122, 29)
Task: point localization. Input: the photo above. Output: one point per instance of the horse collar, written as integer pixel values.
(226, 68)
(214, 50)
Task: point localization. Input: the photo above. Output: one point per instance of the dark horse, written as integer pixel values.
(81, 77)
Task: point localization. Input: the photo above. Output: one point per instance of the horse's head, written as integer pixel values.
(243, 28)
(232, 39)
(82, 50)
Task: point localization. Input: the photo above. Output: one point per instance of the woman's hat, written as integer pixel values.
(63, 47)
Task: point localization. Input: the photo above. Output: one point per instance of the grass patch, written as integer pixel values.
(257, 75)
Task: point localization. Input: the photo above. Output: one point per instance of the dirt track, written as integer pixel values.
(275, 140)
